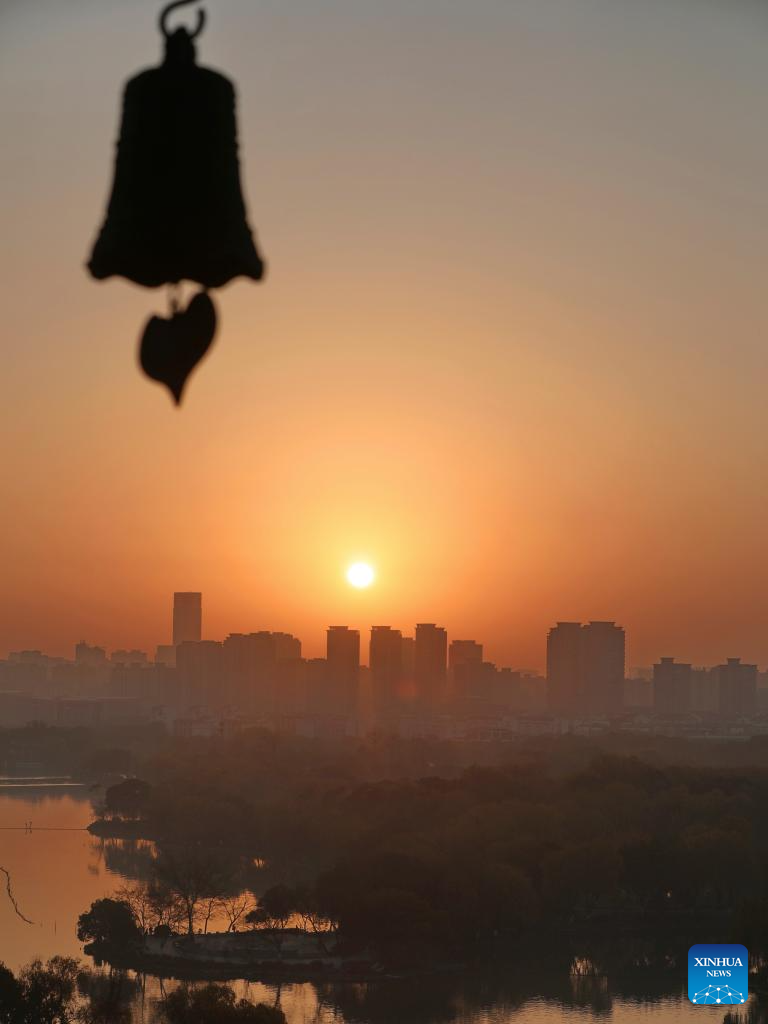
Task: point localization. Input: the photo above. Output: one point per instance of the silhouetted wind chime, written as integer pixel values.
(176, 212)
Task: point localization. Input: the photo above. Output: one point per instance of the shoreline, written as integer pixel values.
(259, 968)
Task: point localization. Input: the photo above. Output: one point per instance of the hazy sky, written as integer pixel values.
(511, 347)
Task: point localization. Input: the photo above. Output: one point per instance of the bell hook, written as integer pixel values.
(163, 20)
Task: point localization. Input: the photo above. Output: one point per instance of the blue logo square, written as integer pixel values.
(718, 973)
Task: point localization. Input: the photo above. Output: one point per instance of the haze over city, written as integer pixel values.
(385, 680)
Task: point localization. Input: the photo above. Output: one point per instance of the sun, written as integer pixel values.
(360, 575)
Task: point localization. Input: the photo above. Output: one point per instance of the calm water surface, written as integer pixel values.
(58, 869)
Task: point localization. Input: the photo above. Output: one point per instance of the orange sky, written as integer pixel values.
(511, 347)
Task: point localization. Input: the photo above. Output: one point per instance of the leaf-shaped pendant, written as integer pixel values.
(171, 349)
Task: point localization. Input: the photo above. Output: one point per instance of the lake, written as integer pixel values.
(58, 869)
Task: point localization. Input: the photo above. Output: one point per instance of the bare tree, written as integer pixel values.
(207, 908)
(236, 908)
(193, 879)
(167, 907)
(138, 898)
(152, 906)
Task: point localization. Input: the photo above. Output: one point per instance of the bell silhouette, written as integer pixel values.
(176, 211)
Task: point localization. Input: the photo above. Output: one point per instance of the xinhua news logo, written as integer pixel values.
(717, 973)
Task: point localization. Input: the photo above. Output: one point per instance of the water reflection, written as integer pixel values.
(473, 999)
(130, 859)
(114, 997)
(57, 874)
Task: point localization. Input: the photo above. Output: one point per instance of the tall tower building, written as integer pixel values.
(585, 668)
(385, 660)
(429, 663)
(603, 664)
(187, 617)
(343, 658)
(564, 668)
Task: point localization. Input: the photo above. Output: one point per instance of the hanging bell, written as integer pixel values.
(176, 211)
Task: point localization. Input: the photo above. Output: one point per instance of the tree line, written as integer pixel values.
(454, 866)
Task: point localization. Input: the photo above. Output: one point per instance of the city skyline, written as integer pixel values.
(427, 683)
(452, 650)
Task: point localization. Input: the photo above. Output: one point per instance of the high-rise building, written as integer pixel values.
(343, 658)
(672, 687)
(465, 669)
(200, 670)
(585, 668)
(187, 617)
(86, 677)
(737, 687)
(287, 646)
(385, 660)
(316, 681)
(165, 655)
(409, 657)
(564, 668)
(429, 663)
(464, 652)
(603, 664)
(251, 661)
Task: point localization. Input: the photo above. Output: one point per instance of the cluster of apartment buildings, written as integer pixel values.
(198, 685)
(586, 676)
(419, 684)
(264, 673)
